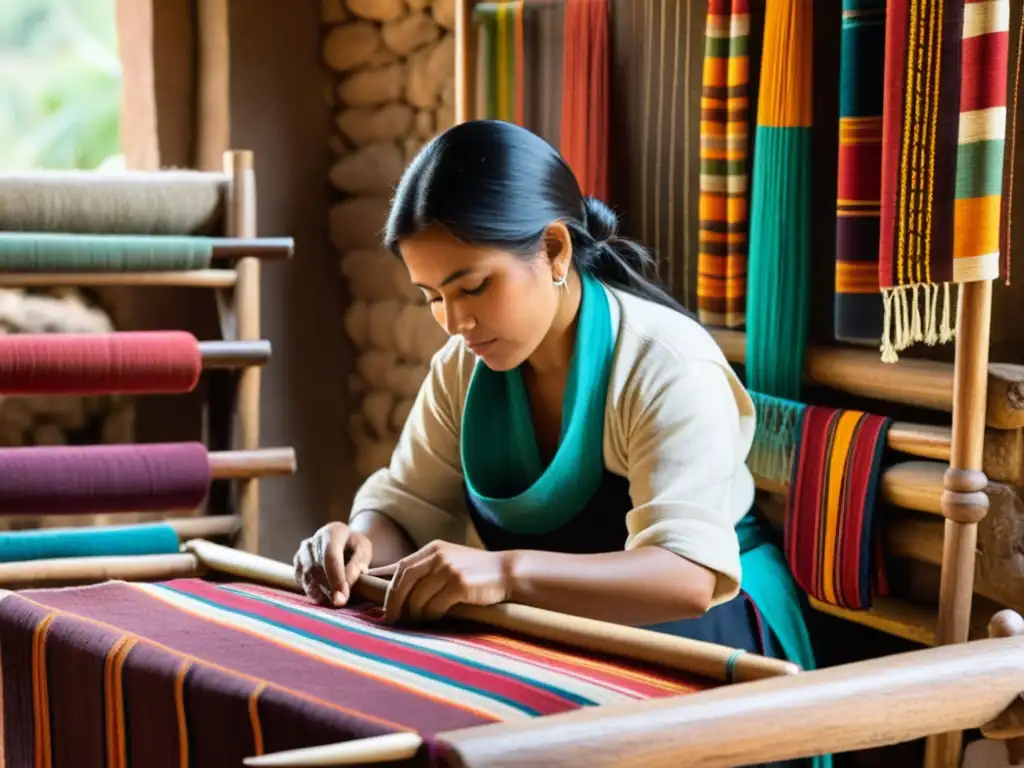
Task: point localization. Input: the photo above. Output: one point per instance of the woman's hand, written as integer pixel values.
(328, 563)
(426, 584)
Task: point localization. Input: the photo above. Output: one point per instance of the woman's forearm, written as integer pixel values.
(390, 542)
(647, 585)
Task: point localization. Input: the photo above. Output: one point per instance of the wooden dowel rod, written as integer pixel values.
(205, 526)
(261, 462)
(465, 60)
(234, 354)
(868, 704)
(245, 307)
(920, 383)
(265, 248)
(389, 748)
(706, 659)
(199, 278)
(90, 570)
(963, 502)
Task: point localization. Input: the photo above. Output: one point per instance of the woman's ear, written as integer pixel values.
(558, 247)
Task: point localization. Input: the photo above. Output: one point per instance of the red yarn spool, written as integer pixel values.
(125, 362)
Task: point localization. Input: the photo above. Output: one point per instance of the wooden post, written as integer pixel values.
(241, 222)
(964, 502)
(465, 60)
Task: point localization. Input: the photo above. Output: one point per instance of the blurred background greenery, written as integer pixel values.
(60, 85)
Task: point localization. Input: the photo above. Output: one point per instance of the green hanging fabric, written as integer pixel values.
(498, 36)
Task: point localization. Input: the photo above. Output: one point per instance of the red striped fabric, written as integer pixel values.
(830, 529)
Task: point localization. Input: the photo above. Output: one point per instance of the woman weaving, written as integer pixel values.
(588, 429)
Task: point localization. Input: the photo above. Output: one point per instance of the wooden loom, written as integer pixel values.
(960, 468)
(227, 199)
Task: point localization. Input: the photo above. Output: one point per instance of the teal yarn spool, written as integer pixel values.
(104, 541)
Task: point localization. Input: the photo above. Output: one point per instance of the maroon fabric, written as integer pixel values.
(103, 478)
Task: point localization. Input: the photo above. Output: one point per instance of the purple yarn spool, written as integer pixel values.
(97, 479)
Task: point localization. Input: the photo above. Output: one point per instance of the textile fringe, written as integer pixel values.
(775, 437)
(922, 312)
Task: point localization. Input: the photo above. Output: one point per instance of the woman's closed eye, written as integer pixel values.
(474, 291)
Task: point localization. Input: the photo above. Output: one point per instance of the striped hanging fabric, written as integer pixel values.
(858, 303)
(831, 541)
(778, 305)
(942, 153)
(500, 65)
(724, 114)
(585, 94)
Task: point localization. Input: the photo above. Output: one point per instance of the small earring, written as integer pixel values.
(560, 281)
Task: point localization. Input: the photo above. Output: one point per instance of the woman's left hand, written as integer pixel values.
(426, 584)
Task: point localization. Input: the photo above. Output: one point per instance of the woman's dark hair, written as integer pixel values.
(495, 184)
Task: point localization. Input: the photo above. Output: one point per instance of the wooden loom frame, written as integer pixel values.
(964, 391)
(237, 292)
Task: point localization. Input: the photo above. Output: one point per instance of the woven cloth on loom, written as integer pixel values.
(58, 252)
(724, 115)
(830, 531)
(191, 673)
(778, 302)
(149, 362)
(942, 155)
(501, 53)
(586, 93)
(858, 304)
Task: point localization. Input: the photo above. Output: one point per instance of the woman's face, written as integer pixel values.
(502, 305)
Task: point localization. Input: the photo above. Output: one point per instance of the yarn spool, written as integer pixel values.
(103, 478)
(105, 541)
(58, 252)
(131, 362)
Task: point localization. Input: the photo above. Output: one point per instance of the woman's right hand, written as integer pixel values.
(328, 563)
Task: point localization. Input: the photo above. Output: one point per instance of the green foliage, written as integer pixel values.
(60, 84)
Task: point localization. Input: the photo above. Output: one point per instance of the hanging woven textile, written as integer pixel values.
(500, 60)
(780, 209)
(942, 152)
(775, 438)
(541, 84)
(831, 537)
(585, 94)
(725, 101)
(858, 304)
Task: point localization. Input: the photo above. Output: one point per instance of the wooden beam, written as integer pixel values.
(919, 383)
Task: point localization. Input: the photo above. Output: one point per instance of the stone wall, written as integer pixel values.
(392, 89)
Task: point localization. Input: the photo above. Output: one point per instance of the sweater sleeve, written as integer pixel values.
(421, 490)
(687, 443)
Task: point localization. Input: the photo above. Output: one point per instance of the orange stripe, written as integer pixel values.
(40, 692)
(841, 445)
(976, 226)
(179, 708)
(254, 718)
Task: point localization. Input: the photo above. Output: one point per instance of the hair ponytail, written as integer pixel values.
(618, 261)
(496, 184)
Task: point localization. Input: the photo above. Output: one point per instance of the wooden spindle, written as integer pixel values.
(259, 462)
(234, 354)
(1009, 726)
(264, 248)
(964, 502)
(241, 222)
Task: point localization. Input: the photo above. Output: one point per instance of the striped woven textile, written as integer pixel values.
(942, 136)
(724, 139)
(979, 162)
(858, 303)
(830, 540)
(501, 53)
(188, 672)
